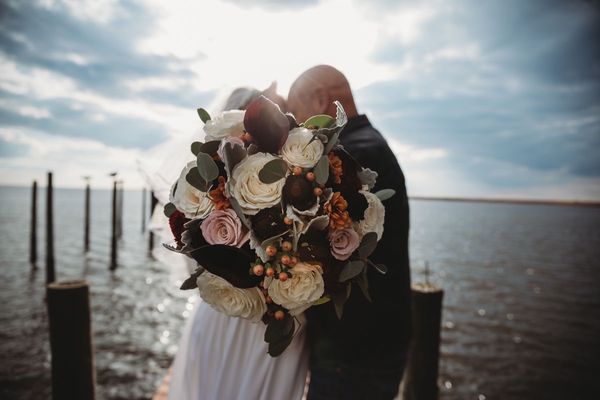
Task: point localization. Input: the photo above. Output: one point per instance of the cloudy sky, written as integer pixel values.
(476, 98)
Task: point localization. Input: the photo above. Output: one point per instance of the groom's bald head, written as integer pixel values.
(315, 91)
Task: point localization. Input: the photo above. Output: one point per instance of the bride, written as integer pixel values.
(225, 358)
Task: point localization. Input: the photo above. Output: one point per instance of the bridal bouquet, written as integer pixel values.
(278, 216)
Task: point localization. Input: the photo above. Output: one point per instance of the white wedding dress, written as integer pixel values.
(220, 357)
(224, 358)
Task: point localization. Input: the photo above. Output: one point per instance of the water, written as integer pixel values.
(520, 317)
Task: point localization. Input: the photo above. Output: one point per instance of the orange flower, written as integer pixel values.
(336, 164)
(217, 195)
(337, 209)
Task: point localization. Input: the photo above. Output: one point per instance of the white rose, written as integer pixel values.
(301, 290)
(296, 152)
(189, 200)
(228, 123)
(230, 300)
(245, 186)
(374, 216)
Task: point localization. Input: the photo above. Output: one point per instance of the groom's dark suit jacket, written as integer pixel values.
(371, 336)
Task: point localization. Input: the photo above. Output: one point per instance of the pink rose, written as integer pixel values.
(343, 243)
(224, 227)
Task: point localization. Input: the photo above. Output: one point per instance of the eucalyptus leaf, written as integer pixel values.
(319, 121)
(321, 170)
(193, 178)
(351, 269)
(276, 348)
(203, 114)
(332, 142)
(190, 283)
(367, 244)
(322, 300)
(273, 171)
(238, 210)
(169, 209)
(211, 147)
(195, 147)
(278, 330)
(207, 167)
(363, 283)
(233, 155)
(339, 300)
(385, 194)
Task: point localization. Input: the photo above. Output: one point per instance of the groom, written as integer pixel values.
(361, 356)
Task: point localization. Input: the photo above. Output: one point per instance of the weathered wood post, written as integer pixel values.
(86, 227)
(120, 209)
(33, 231)
(153, 203)
(73, 374)
(50, 276)
(143, 210)
(420, 377)
(113, 235)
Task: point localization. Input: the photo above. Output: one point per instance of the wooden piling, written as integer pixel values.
(50, 275)
(86, 227)
(143, 210)
(153, 203)
(73, 373)
(113, 236)
(33, 231)
(120, 210)
(421, 373)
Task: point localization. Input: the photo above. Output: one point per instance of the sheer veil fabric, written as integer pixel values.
(219, 357)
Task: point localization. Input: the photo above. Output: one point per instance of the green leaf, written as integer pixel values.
(321, 170)
(193, 178)
(385, 194)
(363, 283)
(203, 114)
(339, 300)
(207, 167)
(351, 269)
(232, 155)
(367, 244)
(190, 283)
(238, 210)
(169, 209)
(322, 300)
(276, 348)
(195, 147)
(333, 139)
(319, 121)
(279, 330)
(273, 171)
(211, 147)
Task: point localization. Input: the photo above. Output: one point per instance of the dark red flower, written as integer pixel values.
(267, 125)
(299, 192)
(268, 222)
(177, 221)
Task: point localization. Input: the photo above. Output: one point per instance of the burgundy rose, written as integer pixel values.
(177, 221)
(268, 223)
(267, 125)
